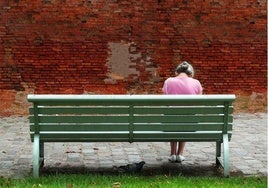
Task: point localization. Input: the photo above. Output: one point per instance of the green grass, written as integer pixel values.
(133, 181)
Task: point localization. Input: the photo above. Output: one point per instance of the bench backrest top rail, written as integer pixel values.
(81, 98)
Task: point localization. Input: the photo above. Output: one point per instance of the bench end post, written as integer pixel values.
(36, 156)
(226, 155)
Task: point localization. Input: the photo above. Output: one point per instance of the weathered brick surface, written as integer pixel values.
(63, 46)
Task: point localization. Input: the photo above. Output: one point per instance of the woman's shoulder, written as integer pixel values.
(195, 80)
(170, 79)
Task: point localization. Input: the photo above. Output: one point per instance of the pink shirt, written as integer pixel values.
(182, 85)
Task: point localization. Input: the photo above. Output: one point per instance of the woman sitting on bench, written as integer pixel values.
(183, 83)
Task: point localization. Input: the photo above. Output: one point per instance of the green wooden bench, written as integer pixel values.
(131, 118)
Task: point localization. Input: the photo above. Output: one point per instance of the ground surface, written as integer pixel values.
(248, 152)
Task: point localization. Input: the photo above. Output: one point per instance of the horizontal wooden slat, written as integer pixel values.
(180, 127)
(153, 136)
(128, 102)
(133, 100)
(90, 99)
(84, 127)
(81, 119)
(136, 127)
(179, 118)
(136, 119)
(83, 136)
(180, 110)
(125, 110)
(48, 110)
(178, 136)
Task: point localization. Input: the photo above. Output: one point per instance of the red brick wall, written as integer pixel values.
(64, 46)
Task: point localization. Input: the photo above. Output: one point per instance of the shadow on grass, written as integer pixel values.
(168, 169)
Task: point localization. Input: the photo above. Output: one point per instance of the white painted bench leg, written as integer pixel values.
(36, 156)
(226, 155)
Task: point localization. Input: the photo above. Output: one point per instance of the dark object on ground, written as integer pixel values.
(131, 168)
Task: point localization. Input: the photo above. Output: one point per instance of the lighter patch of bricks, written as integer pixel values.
(121, 63)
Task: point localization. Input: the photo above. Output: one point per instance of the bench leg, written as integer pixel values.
(36, 156)
(218, 153)
(226, 155)
(41, 154)
(223, 161)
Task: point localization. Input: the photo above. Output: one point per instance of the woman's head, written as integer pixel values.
(186, 68)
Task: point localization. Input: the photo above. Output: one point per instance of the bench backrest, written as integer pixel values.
(131, 118)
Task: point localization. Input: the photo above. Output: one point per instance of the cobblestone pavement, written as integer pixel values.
(248, 152)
